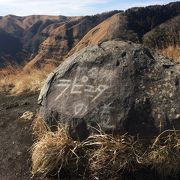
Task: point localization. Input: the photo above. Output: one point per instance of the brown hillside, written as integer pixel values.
(11, 23)
(164, 35)
(62, 37)
(25, 32)
(43, 36)
(155, 26)
(112, 28)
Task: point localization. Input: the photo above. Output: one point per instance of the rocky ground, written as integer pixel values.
(16, 136)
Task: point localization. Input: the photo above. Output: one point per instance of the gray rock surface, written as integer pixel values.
(116, 86)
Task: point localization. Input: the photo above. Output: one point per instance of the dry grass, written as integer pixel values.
(53, 151)
(164, 154)
(171, 52)
(18, 80)
(39, 127)
(105, 155)
(110, 156)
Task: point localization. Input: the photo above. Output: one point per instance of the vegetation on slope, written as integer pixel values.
(171, 52)
(15, 79)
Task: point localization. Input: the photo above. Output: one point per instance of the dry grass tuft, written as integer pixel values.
(18, 80)
(54, 151)
(39, 127)
(171, 52)
(104, 155)
(164, 154)
(112, 155)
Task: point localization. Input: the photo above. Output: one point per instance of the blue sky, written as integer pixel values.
(69, 7)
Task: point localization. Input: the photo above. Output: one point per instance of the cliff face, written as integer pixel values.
(25, 32)
(62, 37)
(48, 35)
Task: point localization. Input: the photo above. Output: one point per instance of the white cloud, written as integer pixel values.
(24, 7)
(68, 7)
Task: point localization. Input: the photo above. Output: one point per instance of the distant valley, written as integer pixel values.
(33, 41)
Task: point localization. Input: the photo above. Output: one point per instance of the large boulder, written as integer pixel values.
(115, 86)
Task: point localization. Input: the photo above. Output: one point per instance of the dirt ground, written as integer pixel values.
(16, 136)
(16, 140)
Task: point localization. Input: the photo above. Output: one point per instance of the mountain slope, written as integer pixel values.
(10, 46)
(167, 33)
(143, 19)
(49, 39)
(62, 37)
(31, 31)
(26, 32)
(138, 25)
(112, 28)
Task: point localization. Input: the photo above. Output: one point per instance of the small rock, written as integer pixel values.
(177, 116)
(19, 153)
(171, 95)
(27, 116)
